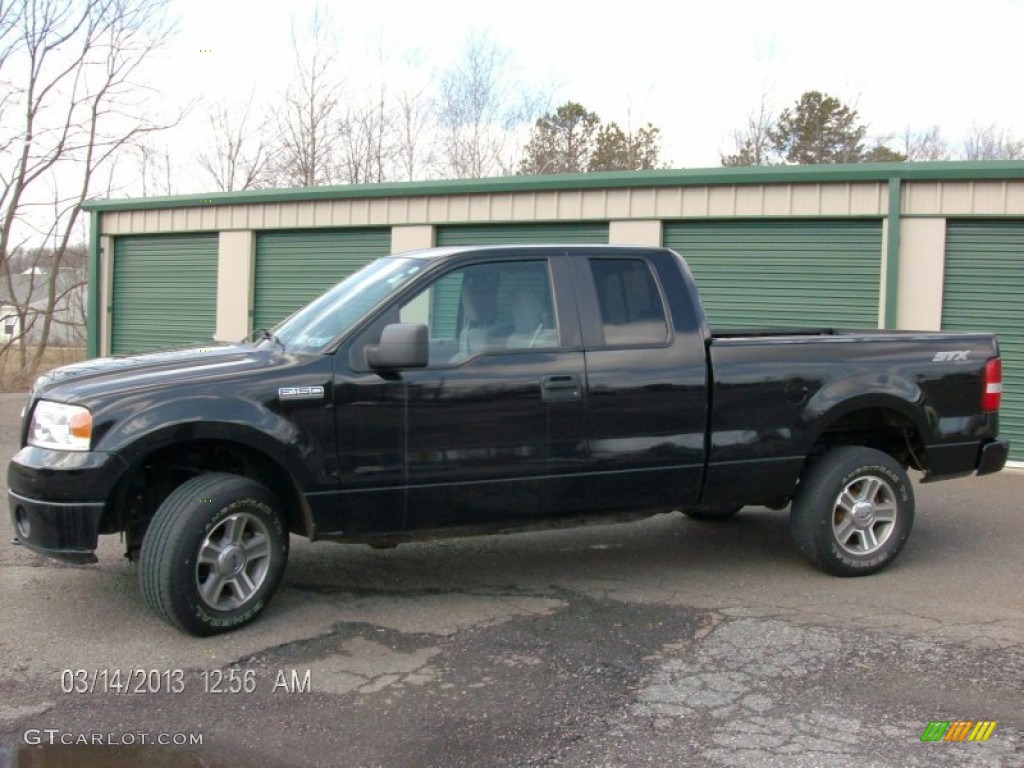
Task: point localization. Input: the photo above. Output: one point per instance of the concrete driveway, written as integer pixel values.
(664, 642)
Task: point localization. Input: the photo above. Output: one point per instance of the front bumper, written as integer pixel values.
(62, 530)
(57, 498)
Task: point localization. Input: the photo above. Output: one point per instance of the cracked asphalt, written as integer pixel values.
(663, 642)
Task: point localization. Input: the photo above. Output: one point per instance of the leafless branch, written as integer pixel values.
(72, 106)
(236, 155)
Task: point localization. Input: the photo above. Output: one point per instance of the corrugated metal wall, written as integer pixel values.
(784, 273)
(293, 268)
(984, 291)
(164, 292)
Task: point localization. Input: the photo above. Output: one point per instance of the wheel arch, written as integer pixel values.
(881, 420)
(153, 475)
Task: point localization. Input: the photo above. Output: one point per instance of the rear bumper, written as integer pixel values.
(63, 530)
(992, 456)
(964, 459)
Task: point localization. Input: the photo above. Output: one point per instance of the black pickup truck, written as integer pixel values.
(480, 390)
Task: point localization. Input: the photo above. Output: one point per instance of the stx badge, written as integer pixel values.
(952, 357)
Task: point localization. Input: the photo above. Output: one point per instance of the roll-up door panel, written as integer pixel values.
(784, 273)
(293, 268)
(984, 291)
(164, 292)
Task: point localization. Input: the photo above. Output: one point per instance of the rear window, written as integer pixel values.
(632, 312)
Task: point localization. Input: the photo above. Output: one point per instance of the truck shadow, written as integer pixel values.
(663, 550)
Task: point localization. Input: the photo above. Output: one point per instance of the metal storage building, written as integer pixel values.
(924, 246)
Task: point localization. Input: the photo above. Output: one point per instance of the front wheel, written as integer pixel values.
(853, 511)
(213, 554)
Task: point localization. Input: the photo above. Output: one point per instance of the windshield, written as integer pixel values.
(318, 323)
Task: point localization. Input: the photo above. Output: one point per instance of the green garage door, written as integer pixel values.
(500, 234)
(755, 274)
(293, 268)
(164, 293)
(984, 291)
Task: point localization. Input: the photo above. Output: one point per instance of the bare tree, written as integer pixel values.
(411, 151)
(753, 143)
(477, 114)
(70, 104)
(156, 171)
(236, 155)
(367, 142)
(924, 146)
(307, 121)
(990, 142)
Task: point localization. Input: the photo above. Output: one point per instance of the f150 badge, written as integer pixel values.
(952, 357)
(300, 393)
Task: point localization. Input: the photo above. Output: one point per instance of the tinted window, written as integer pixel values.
(631, 308)
(495, 307)
(321, 321)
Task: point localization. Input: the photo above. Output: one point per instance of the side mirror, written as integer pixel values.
(402, 345)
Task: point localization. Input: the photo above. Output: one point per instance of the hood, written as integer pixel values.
(109, 375)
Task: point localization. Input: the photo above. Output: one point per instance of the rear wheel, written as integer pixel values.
(213, 554)
(853, 511)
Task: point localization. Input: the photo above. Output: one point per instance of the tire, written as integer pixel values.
(853, 511)
(707, 515)
(213, 554)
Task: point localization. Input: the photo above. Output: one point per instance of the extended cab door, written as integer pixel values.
(493, 429)
(646, 380)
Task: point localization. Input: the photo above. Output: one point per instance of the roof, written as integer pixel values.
(787, 174)
(497, 248)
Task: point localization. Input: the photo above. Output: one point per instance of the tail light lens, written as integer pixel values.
(992, 392)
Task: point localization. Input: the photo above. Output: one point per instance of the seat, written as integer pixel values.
(477, 332)
(531, 324)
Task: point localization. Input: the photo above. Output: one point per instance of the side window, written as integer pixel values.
(494, 307)
(631, 308)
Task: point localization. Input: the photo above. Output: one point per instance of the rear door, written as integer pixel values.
(646, 381)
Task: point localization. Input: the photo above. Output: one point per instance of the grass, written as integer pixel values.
(13, 379)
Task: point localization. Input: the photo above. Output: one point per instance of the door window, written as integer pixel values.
(632, 312)
(480, 309)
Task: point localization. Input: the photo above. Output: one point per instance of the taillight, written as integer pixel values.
(992, 392)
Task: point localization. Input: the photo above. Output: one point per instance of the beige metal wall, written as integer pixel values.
(922, 272)
(963, 198)
(236, 253)
(866, 199)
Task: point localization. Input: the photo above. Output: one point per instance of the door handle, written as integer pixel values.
(561, 387)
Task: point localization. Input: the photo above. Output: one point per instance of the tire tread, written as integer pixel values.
(811, 529)
(166, 528)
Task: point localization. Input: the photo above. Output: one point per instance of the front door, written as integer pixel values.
(492, 431)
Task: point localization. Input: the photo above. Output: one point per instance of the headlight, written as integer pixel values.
(61, 426)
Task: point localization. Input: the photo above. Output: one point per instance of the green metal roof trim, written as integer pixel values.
(788, 174)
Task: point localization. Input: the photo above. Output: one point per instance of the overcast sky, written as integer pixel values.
(695, 70)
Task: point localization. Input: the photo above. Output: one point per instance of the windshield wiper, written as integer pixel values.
(265, 335)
